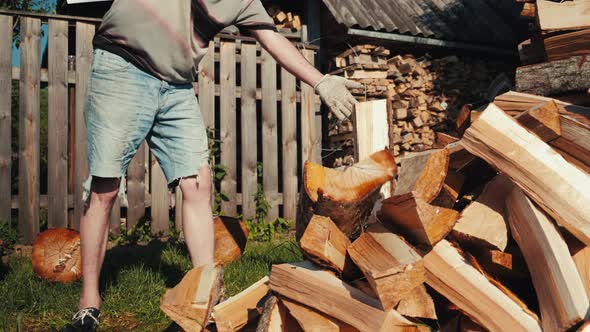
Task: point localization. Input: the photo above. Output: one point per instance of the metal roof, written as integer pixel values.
(473, 21)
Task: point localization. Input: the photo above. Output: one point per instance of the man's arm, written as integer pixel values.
(332, 89)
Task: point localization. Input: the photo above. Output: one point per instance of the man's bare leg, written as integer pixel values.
(94, 228)
(197, 217)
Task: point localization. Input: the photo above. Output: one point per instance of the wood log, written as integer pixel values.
(451, 190)
(563, 46)
(575, 139)
(503, 265)
(312, 320)
(418, 304)
(423, 174)
(237, 311)
(324, 244)
(564, 15)
(483, 224)
(543, 120)
(528, 12)
(231, 236)
(347, 197)
(449, 273)
(581, 255)
(392, 267)
(562, 297)
(276, 318)
(554, 77)
(513, 101)
(422, 224)
(467, 325)
(191, 302)
(559, 187)
(326, 293)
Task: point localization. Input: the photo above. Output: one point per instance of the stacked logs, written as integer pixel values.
(489, 233)
(423, 94)
(285, 20)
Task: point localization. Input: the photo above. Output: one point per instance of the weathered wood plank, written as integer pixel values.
(57, 173)
(84, 34)
(5, 116)
(160, 199)
(228, 125)
(29, 122)
(136, 187)
(270, 153)
(249, 130)
(311, 122)
(289, 144)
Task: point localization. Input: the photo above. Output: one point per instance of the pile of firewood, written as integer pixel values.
(284, 20)
(488, 233)
(422, 93)
(555, 56)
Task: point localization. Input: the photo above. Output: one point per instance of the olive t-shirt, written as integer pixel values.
(168, 38)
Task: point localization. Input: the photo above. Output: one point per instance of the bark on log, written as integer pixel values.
(276, 318)
(555, 77)
(347, 197)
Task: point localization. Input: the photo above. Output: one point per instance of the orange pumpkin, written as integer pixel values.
(56, 255)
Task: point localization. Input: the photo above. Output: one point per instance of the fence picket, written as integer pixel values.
(57, 173)
(136, 187)
(248, 125)
(289, 144)
(84, 34)
(160, 200)
(5, 117)
(29, 124)
(228, 125)
(270, 153)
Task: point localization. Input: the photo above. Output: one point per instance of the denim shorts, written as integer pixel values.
(125, 106)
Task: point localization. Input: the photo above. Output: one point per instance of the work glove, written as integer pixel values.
(333, 91)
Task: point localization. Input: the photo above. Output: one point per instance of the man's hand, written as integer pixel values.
(333, 91)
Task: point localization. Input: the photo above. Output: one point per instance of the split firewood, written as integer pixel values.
(231, 236)
(575, 138)
(562, 297)
(450, 274)
(421, 223)
(563, 46)
(347, 197)
(312, 320)
(581, 255)
(451, 189)
(392, 267)
(563, 15)
(237, 311)
(503, 265)
(514, 102)
(468, 325)
(483, 224)
(558, 186)
(418, 304)
(326, 293)
(463, 120)
(324, 244)
(276, 318)
(423, 173)
(191, 302)
(543, 120)
(585, 327)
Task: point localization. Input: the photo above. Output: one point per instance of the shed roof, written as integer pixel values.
(473, 21)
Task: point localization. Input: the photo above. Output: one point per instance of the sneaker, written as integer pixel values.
(85, 320)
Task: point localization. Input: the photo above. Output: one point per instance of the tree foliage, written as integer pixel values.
(40, 6)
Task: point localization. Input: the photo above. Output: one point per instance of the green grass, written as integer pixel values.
(133, 280)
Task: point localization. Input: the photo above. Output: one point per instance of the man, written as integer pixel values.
(145, 58)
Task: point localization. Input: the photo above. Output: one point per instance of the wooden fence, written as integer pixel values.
(259, 112)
